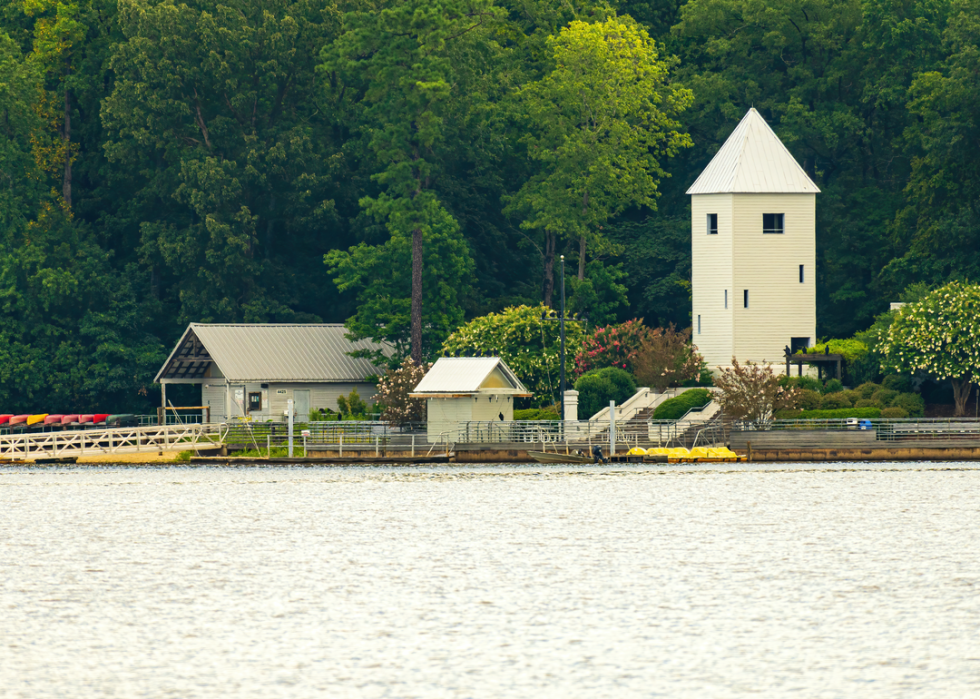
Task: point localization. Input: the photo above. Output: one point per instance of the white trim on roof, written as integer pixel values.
(753, 161)
(464, 376)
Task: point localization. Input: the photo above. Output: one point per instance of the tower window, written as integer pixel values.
(699, 325)
(726, 298)
(745, 298)
(801, 274)
(772, 223)
(712, 224)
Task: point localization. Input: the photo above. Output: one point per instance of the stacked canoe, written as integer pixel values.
(45, 422)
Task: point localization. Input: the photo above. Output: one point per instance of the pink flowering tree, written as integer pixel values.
(393, 390)
(612, 345)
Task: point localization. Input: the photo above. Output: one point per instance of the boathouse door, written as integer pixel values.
(302, 405)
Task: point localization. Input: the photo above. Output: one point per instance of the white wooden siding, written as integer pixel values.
(322, 395)
(780, 308)
(444, 414)
(711, 275)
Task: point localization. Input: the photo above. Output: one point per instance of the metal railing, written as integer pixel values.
(650, 433)
(885, 429)
(112, 441)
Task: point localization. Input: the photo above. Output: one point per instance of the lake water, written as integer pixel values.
(856, 581)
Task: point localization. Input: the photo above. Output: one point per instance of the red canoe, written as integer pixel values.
(4, 419)
(83, 419)
(99, 418)
(18, 419)
(69, 419)
(53, 419)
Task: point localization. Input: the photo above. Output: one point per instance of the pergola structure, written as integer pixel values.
(821, 360)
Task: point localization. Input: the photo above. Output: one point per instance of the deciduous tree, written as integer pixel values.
(530, 345)
(599, 125)
(667, 358)
(938, 337)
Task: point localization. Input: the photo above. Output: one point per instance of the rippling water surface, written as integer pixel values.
(490, 582)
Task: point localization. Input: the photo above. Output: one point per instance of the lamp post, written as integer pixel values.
(561, 318)
(561, 321)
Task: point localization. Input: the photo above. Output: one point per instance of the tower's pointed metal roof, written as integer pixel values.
(753, 160)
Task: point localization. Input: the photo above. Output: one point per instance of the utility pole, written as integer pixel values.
(562, 325)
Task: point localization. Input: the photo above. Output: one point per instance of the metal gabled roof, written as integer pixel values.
(464, 375)
(264, 353)
(753, 161)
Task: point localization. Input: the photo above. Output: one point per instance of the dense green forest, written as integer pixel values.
(273, 161)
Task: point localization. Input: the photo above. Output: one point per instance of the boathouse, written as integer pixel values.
(753, 244)
(468, 389)
(252, 370)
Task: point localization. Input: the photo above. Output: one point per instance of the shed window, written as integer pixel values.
(712, 224)
(699, 325)
(254, 402)
(772, 223)
(726, 298)
(745, 298)
(801, 274)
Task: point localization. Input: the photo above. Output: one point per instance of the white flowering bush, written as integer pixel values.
(530, 346)
(393, 390)
(938, 337)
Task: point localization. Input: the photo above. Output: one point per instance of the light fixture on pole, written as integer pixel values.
(562, 325)
(561, 317)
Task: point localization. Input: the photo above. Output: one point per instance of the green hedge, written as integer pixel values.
(599, 386)
(828, 414)
(675, 408)
(536, 414)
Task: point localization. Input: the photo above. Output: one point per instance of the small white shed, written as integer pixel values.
(468, 389)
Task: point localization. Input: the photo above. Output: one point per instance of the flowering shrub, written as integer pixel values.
(530, 346)
(752, 392)
(612, 345)
(666, 358)
(393, 390)
(938, 337)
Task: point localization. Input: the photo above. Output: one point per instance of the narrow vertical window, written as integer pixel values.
(772, 224)
(745, 298)
(712, 224)
(699, 325)
(801, 274)
(726, 298)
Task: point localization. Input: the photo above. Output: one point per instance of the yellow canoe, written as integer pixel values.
(34, 419)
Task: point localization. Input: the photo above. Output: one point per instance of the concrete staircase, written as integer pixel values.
(644, 401)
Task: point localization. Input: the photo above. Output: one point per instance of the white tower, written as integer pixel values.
(753, 243)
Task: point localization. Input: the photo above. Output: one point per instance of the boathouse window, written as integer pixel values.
(801, 274)
(254, 402)
(699, 325)
(712, 224)
(726, 298)
(772, 223)
(745, 298)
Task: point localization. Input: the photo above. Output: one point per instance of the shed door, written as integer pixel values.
(301, 403)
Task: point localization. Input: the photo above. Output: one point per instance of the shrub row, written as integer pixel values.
(548, 413)
(829, 414)
(675, 408)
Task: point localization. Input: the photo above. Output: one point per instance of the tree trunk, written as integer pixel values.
(961, 393)
(548, 283)
(417, 296)
(66, 137)
(581, 258)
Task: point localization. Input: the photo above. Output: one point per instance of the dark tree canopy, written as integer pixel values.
(167, 161)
